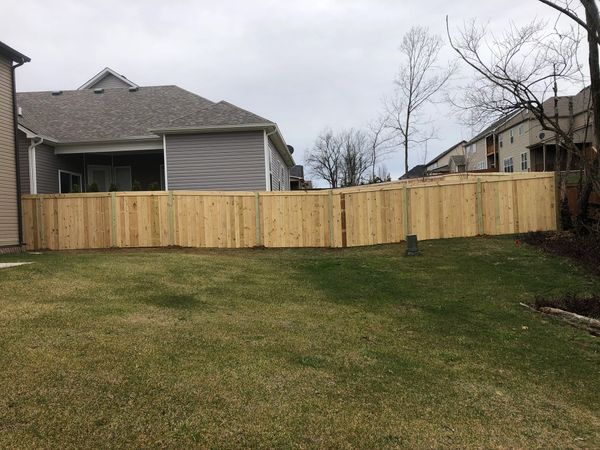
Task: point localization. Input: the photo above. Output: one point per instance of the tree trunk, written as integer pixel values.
(591, 172)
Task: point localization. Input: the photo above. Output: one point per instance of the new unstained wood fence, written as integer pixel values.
(451, 206)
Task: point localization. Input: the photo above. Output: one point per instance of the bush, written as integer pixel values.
(154, 186)
(75, 189)
(583, 249)
(93, 187)
(113, 187)
(136, 186)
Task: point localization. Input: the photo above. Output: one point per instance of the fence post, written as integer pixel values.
(259, 241)
(479, 208)
(40, 222)
(406, 211)
(113, 209)
(331, 230)
(171, 218)
(557, 205)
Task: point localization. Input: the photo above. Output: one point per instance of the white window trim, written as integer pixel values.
(526, 161)
(70, 173)
(504, 165)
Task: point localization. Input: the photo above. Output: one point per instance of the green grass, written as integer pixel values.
(295, 348)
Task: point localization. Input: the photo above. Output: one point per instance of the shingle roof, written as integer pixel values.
(11, 53)
(444, 153)
(216, 115)
(83, 115)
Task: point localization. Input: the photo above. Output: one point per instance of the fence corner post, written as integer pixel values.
(479, 208)
(259, 239)
(113, 209)
(331, 225)
(171, 218)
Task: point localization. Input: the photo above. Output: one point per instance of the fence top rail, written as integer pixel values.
(390, 186)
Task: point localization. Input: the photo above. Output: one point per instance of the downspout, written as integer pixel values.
(17, 165)
(33, 165)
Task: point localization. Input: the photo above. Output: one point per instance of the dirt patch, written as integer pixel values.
(584, 306)
(583, 249)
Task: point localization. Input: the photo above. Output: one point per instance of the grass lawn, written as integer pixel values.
(295, 348)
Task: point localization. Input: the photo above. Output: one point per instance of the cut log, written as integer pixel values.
(586, 323)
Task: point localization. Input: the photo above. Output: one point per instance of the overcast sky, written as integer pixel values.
(304, 64)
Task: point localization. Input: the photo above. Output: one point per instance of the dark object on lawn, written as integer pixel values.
(583, 249)
(584, 306)
(412, 247)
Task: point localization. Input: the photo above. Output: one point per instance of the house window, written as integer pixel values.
(524, 162)
(69, 182)
(500, 140)
(470, 149)
(122, 178)
(511, 134)
(162, 177)
(481, 165)
(521, 129)
(508, 165)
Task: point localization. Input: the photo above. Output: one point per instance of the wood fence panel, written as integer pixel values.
(450, 207)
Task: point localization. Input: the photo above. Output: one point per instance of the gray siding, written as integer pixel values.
(109, 81)
(216, 161)
(9, 222)
(23, 144)
(280, 172)
(47, 166)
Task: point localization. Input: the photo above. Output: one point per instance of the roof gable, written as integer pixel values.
(108, 78)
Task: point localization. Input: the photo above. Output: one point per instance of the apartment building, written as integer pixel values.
(517, 143)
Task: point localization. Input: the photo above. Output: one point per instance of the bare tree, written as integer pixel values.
(417, 83)
(518, 72)
(325, 158)
(355, 158)
(589, 20)
(379, 142)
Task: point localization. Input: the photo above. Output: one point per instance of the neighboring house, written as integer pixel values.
(448, 161)
(113, 134)
(10, 211)
(517, 143)
(418, 171)
(297, 181)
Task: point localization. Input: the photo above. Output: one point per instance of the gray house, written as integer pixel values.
(113, 134)
(10, 217)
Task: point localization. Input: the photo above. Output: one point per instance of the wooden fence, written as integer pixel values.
(454, 206)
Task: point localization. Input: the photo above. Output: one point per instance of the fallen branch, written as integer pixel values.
(588, 324)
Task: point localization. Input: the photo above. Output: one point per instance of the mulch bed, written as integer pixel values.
(588, 306)
(583, 249)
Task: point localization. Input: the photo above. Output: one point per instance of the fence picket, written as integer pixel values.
(326, 218)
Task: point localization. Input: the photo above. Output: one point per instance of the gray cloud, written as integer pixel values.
(304, 64)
